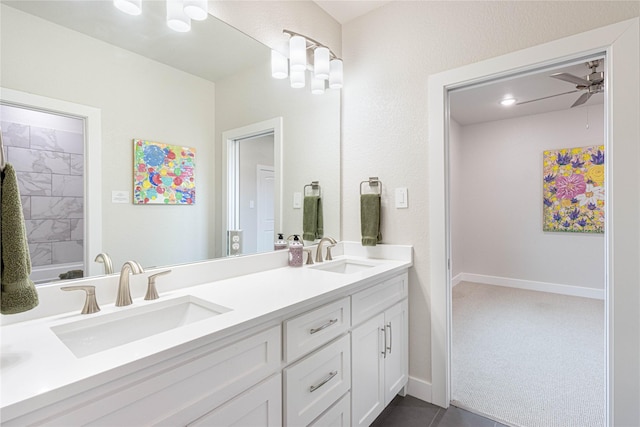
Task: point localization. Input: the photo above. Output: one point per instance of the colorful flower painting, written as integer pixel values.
(163, 174)
(573, 190)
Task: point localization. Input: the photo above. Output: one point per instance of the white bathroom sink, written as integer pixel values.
(345, 266)
(96, 334)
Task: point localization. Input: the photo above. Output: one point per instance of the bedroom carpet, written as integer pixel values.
(526, 358)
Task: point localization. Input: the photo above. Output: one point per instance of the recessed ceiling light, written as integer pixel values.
(508, 101)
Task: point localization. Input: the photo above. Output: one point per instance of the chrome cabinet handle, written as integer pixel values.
(384, 346)
(323, 382)
(390, 337)
(326, 325)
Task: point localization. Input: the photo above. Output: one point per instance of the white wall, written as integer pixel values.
(388, 55)
(499, 182)
(139, 98)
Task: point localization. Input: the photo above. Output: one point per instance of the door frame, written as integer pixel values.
(230, 140)
(260, 206)
(92, 163)
(620, 43)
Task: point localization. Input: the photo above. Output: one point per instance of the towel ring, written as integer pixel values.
(314, 186)
(374, 184)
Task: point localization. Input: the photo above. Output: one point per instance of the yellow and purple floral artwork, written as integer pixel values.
(573, 190)
(163, 174)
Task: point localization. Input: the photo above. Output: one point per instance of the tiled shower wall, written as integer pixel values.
(49, 165)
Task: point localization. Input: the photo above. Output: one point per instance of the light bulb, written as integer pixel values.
(321, 63)
(132, 7)
(298, 53)
(177, 20)
(279, 65)
(297, 79)
(335, 75)
(196, 9)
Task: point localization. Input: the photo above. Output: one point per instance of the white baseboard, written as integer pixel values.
(554, 288)
(419, 388)
(456, 279)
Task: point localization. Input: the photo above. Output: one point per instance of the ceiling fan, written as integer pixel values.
(592, 83)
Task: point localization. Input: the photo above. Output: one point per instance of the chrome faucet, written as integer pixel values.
(331, 240)
(104, 258)
(124, 293)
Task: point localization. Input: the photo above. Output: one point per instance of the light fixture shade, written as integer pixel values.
(297, 79)
(196, 9)
(132, 7)
(279, 65)
(177, 20)
(321, 63)
(335, 74)
(317, 86)
(297, 53)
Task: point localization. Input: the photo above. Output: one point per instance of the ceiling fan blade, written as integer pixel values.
(547, 97)
(583, 98)
(571, 79)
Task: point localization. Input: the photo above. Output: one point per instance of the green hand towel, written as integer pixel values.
(18, 291)
(312, 225)
(370, 219)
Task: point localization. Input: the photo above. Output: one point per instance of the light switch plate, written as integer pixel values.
(402, 201)
(297, 200)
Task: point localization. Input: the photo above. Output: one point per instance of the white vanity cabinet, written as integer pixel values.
(379, 348)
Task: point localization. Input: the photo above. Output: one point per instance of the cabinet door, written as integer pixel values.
(260, 406)
(339, 415)
(396, 360)
(367, 374)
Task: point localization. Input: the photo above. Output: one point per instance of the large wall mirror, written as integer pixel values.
(151, 83)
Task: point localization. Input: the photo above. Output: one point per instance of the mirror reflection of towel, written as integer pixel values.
(370, 219)
(312, 223)
(18, 291)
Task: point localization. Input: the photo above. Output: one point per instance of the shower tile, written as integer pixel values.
(56, 140)
(15, 134)
(77, 164)
(27, 160)
(34, 184)
(56, 207)
(26, 206)
(77, 229)
(48, 230)
(63, 252)
(40, 254)
(67, 185)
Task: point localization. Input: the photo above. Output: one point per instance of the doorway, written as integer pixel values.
(621, 240)
(527, 303)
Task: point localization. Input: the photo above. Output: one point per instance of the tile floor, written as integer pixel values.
(411, 412)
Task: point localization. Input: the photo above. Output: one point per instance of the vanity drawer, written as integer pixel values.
(339, 415)
(315, 328)
(366, 304)
(313, 384)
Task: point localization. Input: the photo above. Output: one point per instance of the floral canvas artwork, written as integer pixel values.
(163, 174)
(573, 190)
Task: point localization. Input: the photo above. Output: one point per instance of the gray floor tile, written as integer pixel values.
(456, 417)
(407, 412)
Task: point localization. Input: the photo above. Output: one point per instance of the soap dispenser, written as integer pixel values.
(295, 252)
(280, 243)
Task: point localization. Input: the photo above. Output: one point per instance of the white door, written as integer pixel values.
(396, 363)
(265, 212)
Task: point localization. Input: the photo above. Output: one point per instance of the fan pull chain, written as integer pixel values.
(587, 117)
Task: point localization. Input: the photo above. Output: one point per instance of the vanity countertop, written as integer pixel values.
(38, 369)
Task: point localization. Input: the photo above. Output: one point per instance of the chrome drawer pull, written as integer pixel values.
(323, 382)
(390, 337)
(326, 325)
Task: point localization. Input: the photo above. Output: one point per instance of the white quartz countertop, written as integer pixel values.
(37, 367)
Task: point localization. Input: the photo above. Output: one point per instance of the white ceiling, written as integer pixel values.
(481, 103)
(345, 11)
(211, 50)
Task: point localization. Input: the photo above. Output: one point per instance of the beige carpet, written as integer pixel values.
(526, 358)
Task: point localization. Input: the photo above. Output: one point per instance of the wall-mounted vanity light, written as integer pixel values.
(306, 54)
(179, 12)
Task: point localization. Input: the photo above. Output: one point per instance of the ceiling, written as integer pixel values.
(481, 103)
(211, 50)
(345, 11)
